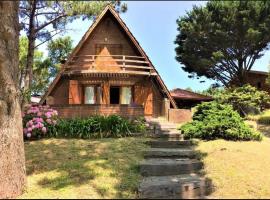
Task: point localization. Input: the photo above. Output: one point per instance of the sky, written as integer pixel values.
(153, 23)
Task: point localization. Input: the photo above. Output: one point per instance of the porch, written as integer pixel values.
(86, 110)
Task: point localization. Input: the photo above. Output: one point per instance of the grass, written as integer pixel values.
(237, 169)
(73, 168)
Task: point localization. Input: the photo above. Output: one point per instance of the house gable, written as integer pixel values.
(126, 42)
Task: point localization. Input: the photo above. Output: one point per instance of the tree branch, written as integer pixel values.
(50, 22)
(49, 38)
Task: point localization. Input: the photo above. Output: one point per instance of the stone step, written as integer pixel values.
(169, 136)
(169, 144)
(166, 167)
(165, 128)
(167, 131)
(169, 153)
(174, 187)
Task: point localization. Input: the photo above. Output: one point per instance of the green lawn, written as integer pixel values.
(108, 168)
(72, 168)
(237, 169)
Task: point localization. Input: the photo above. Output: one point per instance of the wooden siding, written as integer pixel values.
(147, 95)
(60, 93)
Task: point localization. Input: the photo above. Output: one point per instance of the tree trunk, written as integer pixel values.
(30, 53)
(12, 160)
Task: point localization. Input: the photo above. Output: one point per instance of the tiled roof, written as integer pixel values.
(188, 95)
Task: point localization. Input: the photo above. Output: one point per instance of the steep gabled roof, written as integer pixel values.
(110, 9)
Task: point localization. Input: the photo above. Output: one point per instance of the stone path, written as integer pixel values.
(170, 169)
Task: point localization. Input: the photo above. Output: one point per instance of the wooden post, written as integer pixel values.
(124, 63)
(93, 62)
(166, 107)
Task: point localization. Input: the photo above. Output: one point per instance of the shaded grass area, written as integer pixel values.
(73, 168)
(237, 169)
(262, 118)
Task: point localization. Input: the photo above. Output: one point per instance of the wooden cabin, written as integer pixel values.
(108, 73)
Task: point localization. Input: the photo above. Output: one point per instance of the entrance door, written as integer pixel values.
(114, 95)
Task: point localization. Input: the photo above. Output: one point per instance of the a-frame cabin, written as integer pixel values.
(108, 73)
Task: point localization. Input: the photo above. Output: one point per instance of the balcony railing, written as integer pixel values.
(124, 62)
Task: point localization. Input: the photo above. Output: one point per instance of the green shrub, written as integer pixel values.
(138, 125)
(94, 127)
(213, 120)
(245, 100)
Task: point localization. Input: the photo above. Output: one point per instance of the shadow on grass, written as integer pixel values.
(207, 187)
(264, 129)
(84, 162)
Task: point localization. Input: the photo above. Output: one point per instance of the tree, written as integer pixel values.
(42, 20)
(58, 51)
(245, 100)
(41, 67)
(189, 89)
(223, 39)
(12, 161)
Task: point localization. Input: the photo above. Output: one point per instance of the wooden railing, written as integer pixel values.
(126, 63)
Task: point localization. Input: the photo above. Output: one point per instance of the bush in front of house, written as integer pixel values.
(95, 127)
(37, 120)
(213, 120)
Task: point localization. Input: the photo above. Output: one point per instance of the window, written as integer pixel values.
(259, 85)
(89, 95)
(114, 95)
(120, 95)
(92, 95)
(126, 95)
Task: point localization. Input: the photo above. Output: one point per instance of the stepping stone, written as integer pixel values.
(175, 187)
(169, 153)
(166, 167)
(169, 144)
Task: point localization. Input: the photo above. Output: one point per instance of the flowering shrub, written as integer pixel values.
(37, 120)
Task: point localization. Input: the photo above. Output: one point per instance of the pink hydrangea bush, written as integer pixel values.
(37, 120)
